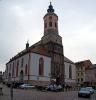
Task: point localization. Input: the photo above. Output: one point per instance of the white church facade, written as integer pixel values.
(43, 61)
(29, 68)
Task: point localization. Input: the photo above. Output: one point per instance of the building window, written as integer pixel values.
(81, 79)
(50, 24)
(22, 61)
(41, 66)
(13, 70)
(26, 69)
(78, 80)
(81, 73)
(17, 68)
(70, 71)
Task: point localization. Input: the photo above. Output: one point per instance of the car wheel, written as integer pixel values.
(78, 95)
(89, 96)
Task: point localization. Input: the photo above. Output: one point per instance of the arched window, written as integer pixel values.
(21, 75)
(17, 68)
(70, 71)
(41, 66)
(50, 24)
(13, 70)
(22, 61)
(10, 68)
(26, 69)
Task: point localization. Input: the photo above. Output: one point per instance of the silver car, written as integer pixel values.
(84, 92)
(26, 86)
(90, 89)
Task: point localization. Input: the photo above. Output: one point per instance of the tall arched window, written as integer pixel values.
(17, 68)
(21, 75)
(26, 69)
(70, 71)
(13, 70)
(41, 66)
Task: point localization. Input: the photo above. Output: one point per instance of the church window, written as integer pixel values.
(41, 66)
(70, 71)
(45, 25)
(17, 68)
(6, 69)
(50, 24)
(13, 70)
(26, 69)
(22, 61)
(10, 68)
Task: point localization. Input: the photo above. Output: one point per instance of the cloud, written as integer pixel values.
(22, 20)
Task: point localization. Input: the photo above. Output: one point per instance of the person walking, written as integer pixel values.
(1, 87)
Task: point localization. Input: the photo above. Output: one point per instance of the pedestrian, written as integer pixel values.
(1, 87)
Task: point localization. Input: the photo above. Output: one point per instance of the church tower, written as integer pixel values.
(52, 42)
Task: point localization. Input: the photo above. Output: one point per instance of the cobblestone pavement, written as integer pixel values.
(20, 94)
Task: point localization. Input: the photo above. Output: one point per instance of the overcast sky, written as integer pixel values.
(22, 20)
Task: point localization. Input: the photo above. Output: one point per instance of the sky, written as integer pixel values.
(22, 21)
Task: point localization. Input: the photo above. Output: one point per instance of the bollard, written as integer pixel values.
(11, 91)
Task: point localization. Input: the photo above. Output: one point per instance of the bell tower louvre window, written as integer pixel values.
(50, 24)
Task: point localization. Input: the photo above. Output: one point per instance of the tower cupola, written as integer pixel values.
(50, 21)
(50, 9)
(51, 27)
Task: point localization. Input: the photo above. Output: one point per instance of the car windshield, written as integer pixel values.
(83, 89)
(89, 87)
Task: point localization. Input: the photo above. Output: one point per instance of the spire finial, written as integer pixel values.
(50, 9)
(50, 2)
(27, 44)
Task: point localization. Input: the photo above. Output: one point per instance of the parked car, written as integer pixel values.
(84, 92)
(26, 86)
(54, 87)
(16, 85)
(90, 89)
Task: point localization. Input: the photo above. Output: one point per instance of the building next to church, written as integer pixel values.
(90, 76)
(45, 59)
(81, 68)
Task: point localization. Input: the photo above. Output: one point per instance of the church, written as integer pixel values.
(43, 61)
